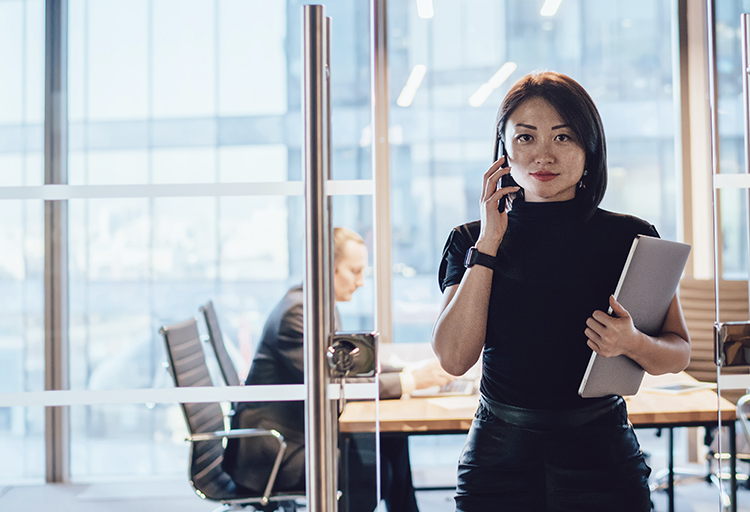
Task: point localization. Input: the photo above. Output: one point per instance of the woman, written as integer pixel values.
(527, 287)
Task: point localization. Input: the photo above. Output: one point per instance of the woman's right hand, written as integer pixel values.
(493, 222)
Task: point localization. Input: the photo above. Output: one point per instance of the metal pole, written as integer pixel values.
(380, 170)
(381, 215)
(745, 22)
(57, 429)
(319, 442)
(332, 432)
(713, 104)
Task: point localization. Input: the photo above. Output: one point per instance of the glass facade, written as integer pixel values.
(734, 203)
(163, 92)
(168, 92)
(22, 235)
(621, 52)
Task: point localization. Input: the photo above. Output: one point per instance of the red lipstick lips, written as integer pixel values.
(544, 176)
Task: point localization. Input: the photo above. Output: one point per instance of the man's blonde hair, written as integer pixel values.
(340, 237)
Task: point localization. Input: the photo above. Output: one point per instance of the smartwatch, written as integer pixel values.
(474, 257)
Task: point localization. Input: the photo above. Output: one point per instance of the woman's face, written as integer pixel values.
(545, 157)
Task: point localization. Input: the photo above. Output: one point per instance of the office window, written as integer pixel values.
(21, 235)
(620, 52)
(204, 92)
(733, 203)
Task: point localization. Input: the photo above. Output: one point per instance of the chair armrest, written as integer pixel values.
(240, 432)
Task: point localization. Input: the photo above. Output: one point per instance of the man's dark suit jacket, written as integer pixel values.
(279, 360)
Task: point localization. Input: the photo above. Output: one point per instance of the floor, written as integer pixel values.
(431, 466)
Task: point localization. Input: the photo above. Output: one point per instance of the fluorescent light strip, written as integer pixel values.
(550, 7)
(282, 188)
(481, 95)
(274, 393)
(484, 91)
(502, 74)
(412, 84)
(424, 9)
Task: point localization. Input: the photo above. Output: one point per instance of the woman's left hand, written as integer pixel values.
(611, 335)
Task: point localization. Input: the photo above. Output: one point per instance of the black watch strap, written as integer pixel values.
(474, 257)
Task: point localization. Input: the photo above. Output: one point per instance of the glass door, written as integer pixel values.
(728, 65)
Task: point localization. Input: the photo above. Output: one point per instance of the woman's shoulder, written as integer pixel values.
(451, 262)
(469, 231)
(624, 223)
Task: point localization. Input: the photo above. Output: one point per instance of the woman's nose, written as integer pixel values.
(544, 154)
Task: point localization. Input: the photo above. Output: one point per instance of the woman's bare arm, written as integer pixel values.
(459, 332)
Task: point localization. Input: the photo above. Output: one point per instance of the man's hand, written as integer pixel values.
(431, 374)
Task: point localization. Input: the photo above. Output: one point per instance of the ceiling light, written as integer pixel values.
(424, 8)
(502, 74)
(481, 94)
(493, 83)
(550, 7)
(412, 84)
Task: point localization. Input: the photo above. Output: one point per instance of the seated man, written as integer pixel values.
(279, 360)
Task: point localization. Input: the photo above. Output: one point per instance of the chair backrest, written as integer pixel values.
(698, 306)
(228, 370)
(187, 365)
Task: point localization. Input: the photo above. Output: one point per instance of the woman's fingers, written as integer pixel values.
(499, 193)
(492, 177)
(494, 167)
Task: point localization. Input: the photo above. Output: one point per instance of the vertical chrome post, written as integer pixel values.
(713, 101)
(381, 204)
(380, 169)
(332, 449)
(745, 23)
(57, 426)
(713, 106)
(319, 441)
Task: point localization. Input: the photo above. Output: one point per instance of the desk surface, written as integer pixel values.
(454, 414)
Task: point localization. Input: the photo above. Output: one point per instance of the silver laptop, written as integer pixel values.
(647, 284)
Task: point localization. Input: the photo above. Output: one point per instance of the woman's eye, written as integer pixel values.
(524, 137)
(564, 137)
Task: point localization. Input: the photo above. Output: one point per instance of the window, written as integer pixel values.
(441, 144)
(164, 92)
(22, 235)
(733, 202)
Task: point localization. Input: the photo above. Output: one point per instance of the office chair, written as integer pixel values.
(205, 423)
(226, 366)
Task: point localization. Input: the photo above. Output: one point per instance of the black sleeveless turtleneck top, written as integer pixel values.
(555, 268)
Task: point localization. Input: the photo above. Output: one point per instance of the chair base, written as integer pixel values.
(274, 506)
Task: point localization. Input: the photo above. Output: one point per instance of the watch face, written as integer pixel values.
(471, 255)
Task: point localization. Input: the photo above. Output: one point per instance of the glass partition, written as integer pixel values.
(22, 236)
(449, 71)
(732, 247)
(208, 93)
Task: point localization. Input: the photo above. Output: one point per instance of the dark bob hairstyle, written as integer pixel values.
(577, 109)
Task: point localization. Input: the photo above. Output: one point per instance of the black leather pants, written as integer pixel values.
(595, 466)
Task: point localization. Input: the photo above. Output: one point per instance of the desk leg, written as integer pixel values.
(733, 465)
(670, 483)
(344, 472)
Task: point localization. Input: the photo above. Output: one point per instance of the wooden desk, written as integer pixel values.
(454, 414)
(647, 409)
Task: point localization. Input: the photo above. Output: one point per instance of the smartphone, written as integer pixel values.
(507, 180)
